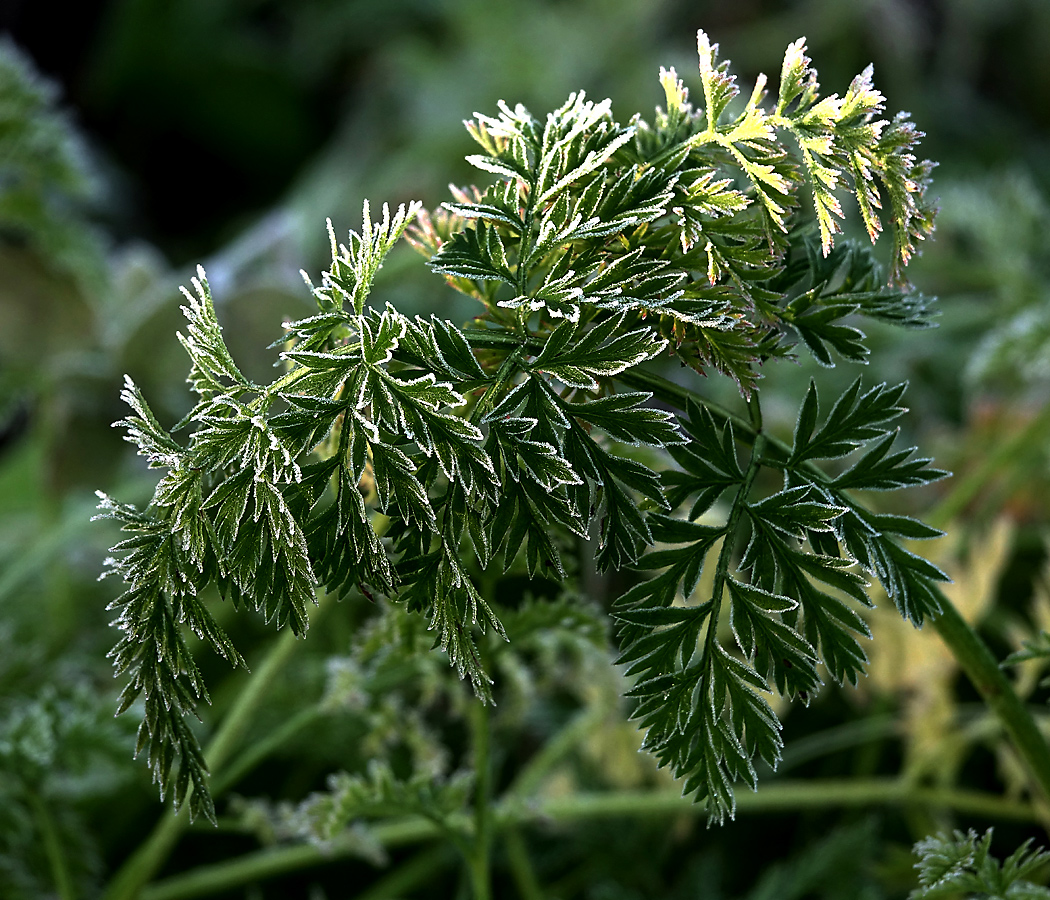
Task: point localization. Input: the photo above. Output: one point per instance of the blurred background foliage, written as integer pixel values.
(140, 137)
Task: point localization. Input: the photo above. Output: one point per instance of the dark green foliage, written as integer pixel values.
(962, 865)
(404, 456)
(46, 179)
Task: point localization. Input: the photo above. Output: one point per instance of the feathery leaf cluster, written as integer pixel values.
(400, 455)
(950, 866)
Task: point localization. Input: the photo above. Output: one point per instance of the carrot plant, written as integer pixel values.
(410, 460)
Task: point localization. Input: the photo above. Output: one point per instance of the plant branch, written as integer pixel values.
(726, 553)
(777, 796)
(261, 749)
(147, 860)
(995, 689)
(213, 879)
(530, 777)
(479, 860)
(236, 722)
(792, 796)
(407, 875)
(521, 867)
(970, 485)
(961, 639)
(56, 858)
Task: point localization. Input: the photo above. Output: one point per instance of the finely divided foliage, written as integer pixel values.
(962, 864)
(597, 248)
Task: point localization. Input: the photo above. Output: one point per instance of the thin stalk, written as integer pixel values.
(777, 796)
(726, 553)
(261, 749)
(961, 639)
(214, 879)
(147, 860)
(792, 796)
(521, 868)
(479, 860)
(868, 730)
(407, 876)
(530, 777)
(56, 857)
(506, 372)
(995, 689)
(970, 485)
(236, 722)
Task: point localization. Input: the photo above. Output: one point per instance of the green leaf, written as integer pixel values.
(157, 445)
(950, 865)
(818, 323)
(379, 339)
(455, 607)
(623, 418)
(500, 205)
(538, 460)
(577, 358)
(795, 510)
(719, 86)
(439, 345)
(212, 363)
(379, 792)
(599, 246)
(854, 420)
(880, 470)
(397, 487)
(477, 253)
(355, 265)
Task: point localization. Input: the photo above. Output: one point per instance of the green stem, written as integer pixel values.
(531, 776)
(970, 485)
(261, 749)
(521, 868)
(788, 796)
(408, 875)
(868, 730)
(236, 722)
(214, 879)
(479, 861)
(791, 796)
(56, 858)
(961, 639)
(996, 690)
(726, 553)
(147, 860)
(505, 373)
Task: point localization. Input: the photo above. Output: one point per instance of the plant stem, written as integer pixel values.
(996, 690)
(237, 720)
(728, 542)
(776, 796)
(790, 796)
(213, 879)
(147, 860)
(521, 865)
(870, 729)
(261, 749)
(56, 858)
(530, 777)
(971, 484)
(479, 861)
(408, 875)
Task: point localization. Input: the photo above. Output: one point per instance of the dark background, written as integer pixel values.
(208, 111)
